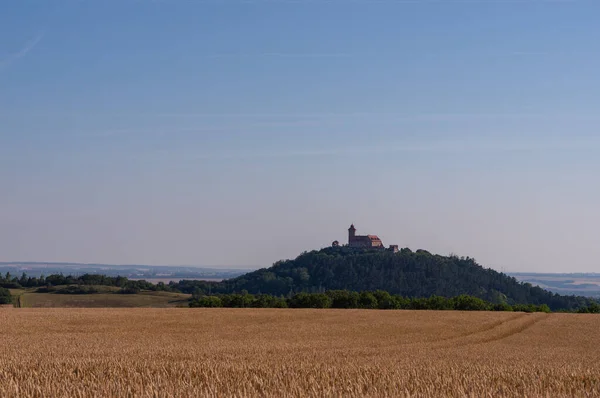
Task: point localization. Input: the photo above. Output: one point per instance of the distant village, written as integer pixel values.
(365, 241)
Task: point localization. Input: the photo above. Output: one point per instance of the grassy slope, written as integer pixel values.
(104, 300)
(16, 296)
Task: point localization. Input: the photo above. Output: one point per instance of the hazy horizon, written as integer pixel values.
(65, 263)
(244, 267)
(236, 133)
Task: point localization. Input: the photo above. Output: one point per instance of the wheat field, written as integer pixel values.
(293, 353)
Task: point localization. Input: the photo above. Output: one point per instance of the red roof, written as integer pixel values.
(373, 237)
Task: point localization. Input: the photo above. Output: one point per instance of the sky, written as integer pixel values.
(238, 133)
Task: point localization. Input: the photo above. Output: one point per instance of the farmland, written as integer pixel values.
(271, 352)
(28, 298)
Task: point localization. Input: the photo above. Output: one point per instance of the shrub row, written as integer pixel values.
(74, 289)
(366, 300)
(45, 284)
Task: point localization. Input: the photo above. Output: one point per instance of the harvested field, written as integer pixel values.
(278, 353)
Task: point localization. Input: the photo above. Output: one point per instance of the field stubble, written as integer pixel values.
(271, 352)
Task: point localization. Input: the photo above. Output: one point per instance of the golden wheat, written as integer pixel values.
(283, 353)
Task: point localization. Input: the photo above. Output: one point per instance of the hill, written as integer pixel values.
(408, 273)
(580, 284)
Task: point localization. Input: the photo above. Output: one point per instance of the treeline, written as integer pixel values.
(365, 300)
(48, 284)
(80, 284)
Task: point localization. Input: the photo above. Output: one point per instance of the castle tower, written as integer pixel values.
(351, 233)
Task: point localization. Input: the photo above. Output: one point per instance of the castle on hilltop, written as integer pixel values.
(365, 241)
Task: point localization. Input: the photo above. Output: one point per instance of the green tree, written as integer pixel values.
(469, 303)
(524, 308)
(385, 301)
(367, 300)
(501, 307)
(237, 300)
(543, 308)
(207, 301)
(594, 308)
(439, 303)
(5, 296)
(310, 300)
(343, 298)
(268, 301)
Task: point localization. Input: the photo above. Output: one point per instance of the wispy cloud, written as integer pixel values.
(29, 45)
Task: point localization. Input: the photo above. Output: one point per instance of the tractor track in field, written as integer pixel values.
(486, 328)
(494, 332)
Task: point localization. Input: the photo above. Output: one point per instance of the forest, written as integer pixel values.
(407, 273)
(61, 284)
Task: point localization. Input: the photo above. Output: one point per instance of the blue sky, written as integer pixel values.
(230, 132)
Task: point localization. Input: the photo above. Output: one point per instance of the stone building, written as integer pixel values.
(365, 241)
(368, 241)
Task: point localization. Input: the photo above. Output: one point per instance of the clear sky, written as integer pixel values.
(238, 133)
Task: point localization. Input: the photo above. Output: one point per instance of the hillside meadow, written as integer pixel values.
(292, 352)
(107, 297)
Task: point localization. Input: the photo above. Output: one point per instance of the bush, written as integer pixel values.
(268, 301)
(400, 302)
(417, 304)
(543, 308)
(11, 285)
(440, 303)
(594, 308)
(207, 302)
(237, 300)
(501, 307)
(5, 296)
(74, 289)
(343, 298)
(46, 289)
(307, 300)
(524, 308)
(367, 300)
(385, 301)
(469, 303)
(129, 290)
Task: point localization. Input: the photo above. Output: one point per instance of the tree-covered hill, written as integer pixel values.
(408, 273)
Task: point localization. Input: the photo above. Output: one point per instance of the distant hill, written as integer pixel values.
(580, 284)
(408, 273)
(132, 271)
